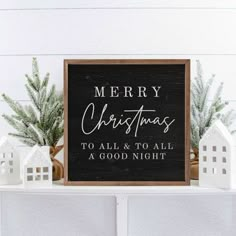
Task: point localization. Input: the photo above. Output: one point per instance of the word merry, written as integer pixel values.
(125, 91)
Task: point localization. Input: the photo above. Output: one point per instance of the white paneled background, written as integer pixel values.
(54, 30)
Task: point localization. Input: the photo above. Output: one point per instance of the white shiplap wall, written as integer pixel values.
(53, 30)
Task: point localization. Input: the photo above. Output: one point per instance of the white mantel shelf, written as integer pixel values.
(59, 188)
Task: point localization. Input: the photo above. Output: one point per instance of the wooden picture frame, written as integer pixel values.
(175, 63)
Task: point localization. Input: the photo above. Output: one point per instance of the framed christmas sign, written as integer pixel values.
(127, 122)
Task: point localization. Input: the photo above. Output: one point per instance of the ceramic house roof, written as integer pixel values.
(221, 129)
(5, 145)
(37, 157)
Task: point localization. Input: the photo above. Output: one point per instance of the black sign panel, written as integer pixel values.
(127, 122)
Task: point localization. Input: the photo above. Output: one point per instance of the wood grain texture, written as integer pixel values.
(67, 115)
(187, 121)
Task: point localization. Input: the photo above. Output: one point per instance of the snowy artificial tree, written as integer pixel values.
(205, 111)
(42, 122)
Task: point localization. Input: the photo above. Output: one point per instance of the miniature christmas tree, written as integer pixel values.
(42, 122)
(205, 111)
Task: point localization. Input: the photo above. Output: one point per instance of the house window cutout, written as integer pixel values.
(11, 171)
(224, 159)
(38, 170)
(204, 148)
(10, 163)
(37, 177)
(30, 178)
(224, 148)
(3, 163)
(214, 148)
(45, 169)
(214, 159)
(204, 158)
(204, 170)
(45, 177)
(30, 170)
(10, 155)
(224, 171)
(214, 171)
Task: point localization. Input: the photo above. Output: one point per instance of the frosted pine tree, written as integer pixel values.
(205, 111)
(40, 122)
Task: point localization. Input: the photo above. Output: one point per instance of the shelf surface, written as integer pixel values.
(59, 188)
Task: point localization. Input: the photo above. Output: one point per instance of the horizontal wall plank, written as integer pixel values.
(13, 70)
(118, 31)
(49, 4)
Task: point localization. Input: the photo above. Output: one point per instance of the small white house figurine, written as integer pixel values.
(9, 163)
(37, 168)
(217, 158)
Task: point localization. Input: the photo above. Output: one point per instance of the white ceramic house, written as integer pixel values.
(217, 158)
(37, 168)
(9, 163)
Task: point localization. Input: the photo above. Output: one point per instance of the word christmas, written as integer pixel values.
(130, 123)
